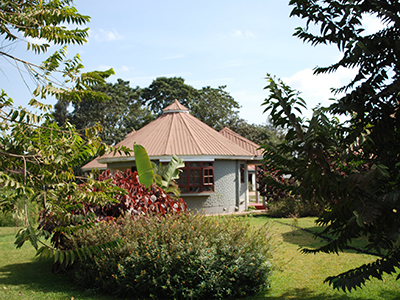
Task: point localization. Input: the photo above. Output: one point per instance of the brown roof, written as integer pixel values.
(130, 133)
(94, 164)
(251, 167)
(178, 132)
(241, 141)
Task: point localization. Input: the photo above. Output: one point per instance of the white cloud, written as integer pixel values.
(236, 33)
(241, 33)
(249, 34)
(124, 69)
(316, 89)
(105, 35)
(371, 24)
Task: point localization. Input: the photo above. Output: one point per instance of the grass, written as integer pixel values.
(300, 276)
(296, 276)
(24, 277)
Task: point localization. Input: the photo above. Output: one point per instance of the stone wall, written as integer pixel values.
(223, 199)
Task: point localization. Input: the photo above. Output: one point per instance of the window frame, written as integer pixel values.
(205, 170)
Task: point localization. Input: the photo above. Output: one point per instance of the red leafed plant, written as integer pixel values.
(103, 202)
(139, 200)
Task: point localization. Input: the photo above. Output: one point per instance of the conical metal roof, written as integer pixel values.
(178, 132)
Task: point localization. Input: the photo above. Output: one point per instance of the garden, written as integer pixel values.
(128, 234)
(294, 275)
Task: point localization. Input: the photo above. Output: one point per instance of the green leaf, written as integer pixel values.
(36, 92)
(172, 171)
(143, 165)
(14, 115)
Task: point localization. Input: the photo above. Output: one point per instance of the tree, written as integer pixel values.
(258, 133)
(36, 155)
(38, 24)
(353, 166)
(21, 20)
(213, 106)
(164, 90)
(118, 115)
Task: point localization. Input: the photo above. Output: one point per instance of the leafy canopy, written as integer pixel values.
(118, 115)
(213, 106)
(127, 109)
(352, 166)
(37, 156)
(41, 20)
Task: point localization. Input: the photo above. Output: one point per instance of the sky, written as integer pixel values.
(208, 43)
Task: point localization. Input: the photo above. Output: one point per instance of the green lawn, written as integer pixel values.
(24, 277)
(296, 276)
(300, 276)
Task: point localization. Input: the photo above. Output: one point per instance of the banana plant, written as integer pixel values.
(163, 176)
(143, 165)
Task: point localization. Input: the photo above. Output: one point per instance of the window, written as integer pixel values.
(242, 169)
(197, 177)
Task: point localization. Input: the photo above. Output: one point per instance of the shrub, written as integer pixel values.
(282, 204)
(292, 207)
(251, 207)
(13, 214)
(137, 200)
(140, 200)
(178, 257)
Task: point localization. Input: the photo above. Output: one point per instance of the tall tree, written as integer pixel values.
(118, 115)
(36, 155)
(260, 134)
(352, 166)
(213, 106)
(164, 90)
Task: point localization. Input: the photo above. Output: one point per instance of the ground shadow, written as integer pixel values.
(305, 238)
(306, 294)
(37, 278)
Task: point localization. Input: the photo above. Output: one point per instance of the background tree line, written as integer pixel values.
(130, 108)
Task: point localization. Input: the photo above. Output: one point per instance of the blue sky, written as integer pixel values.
(208, 43)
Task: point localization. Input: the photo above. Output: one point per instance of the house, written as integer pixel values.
(215, 176)
(248, 145)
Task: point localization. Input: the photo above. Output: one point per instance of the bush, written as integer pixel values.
(291, 207)
(13, 214)
(7, 219)
(178, 257)
(69, 212)
(282, 204)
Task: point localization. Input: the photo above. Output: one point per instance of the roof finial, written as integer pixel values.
(175, 107)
